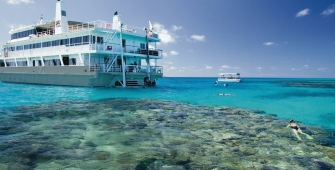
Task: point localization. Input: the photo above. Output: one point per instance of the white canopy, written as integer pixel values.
(229, 73)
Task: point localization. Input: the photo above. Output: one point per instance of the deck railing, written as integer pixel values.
(75, 48)
(96, 67)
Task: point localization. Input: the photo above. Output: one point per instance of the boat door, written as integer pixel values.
(119, 64)
(124, 45)
(66, 60)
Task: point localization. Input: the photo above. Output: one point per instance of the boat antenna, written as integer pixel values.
(41, 19)
(150, 26)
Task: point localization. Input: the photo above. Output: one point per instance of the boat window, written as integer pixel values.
(55, 43)
(52, 62)
(11, 48)
(79, 40)
(123, 42)
(37, 45)
(85, 39)
(23, 34)
(18, 48)
(93, 39)
(64, 42)
(48, 62)
(142, 45)
(2, 64)
(100, 40)
(10, 64)
(46, 44)
(73, 61)
(21, 63)
(76, 41)
(27, 46)
(63, 13)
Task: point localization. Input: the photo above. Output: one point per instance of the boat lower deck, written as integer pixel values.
(72, 76)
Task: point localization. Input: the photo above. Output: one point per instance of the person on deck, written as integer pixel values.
(296, 130)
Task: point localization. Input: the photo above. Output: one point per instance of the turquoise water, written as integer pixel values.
(310, 101)
(181, 124)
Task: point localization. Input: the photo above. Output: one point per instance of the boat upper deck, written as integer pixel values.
(48, 29)
(81, 36)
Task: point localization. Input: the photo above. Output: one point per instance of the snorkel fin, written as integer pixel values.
(309, 137)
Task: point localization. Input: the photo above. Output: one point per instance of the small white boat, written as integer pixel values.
(229, 77)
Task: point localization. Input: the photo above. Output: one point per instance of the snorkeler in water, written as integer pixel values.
(223, 94)
(296, 130)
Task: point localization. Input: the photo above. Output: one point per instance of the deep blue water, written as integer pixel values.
(310, 101)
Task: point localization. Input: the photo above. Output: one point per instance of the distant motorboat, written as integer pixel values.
(229, 77)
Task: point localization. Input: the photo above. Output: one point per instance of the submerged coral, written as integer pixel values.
(153, 134)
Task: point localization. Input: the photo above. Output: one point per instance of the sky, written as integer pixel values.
(201, 38)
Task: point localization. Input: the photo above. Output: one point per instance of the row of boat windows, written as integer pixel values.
(68, 42)
(23, 34)
(53, 62)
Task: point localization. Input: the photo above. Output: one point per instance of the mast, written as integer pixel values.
(61, 24)
(117, 25)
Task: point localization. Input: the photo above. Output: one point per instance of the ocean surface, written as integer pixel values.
(180, 124)
(311, 101)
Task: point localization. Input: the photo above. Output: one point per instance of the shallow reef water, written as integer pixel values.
(146, 134)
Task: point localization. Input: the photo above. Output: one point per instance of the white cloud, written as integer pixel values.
(20, 1)
(167, 62)
(329, 11)
(171, 68)
(302, 13)
(174, 53)
(198, 37)
(208, 67)
(175, 28)
(295, 69)
(151, 47)
(165, 36)
(269, 43)
(11, 26)
(305, 66)
(322, 69)
(259, 68)
(225, 67)
(273, 68)
(165, 54)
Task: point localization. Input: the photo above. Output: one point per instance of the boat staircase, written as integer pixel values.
(132, 83)
(110, 62)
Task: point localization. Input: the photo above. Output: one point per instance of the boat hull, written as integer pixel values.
(70, 76)
(229, 80)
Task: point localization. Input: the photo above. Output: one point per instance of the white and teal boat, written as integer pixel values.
(229, 77)
(94, 54)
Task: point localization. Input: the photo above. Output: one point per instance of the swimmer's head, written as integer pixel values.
(291, 120)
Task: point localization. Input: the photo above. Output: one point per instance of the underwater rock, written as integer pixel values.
(258, 111)
(17, 166)
(143, 165)
(101, 155)
(326, 142)
(138, 124)
(269, 167)
(90, 144)
(248, 151)
(324, 165)
(151, 134)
